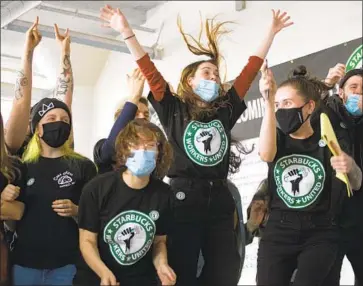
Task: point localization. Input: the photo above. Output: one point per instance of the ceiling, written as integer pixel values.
(87, 36)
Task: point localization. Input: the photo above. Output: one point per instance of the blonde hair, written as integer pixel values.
(33, 150)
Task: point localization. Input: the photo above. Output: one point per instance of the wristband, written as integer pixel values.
(129, 37)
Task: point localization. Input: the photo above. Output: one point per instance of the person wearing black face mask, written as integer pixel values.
(47, 246)
(305, 196)
(347, 106)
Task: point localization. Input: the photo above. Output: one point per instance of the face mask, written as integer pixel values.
(208, 90)
(352, 105)
(55, 134)
(290, 119)
(141, 162)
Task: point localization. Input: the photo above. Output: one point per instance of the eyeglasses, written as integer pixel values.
(145, 146)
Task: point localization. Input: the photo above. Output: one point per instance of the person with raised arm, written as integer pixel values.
(306, 197)
(135, 107)
(198, 120)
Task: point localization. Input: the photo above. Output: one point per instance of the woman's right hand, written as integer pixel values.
(267, 83)
(33, 37)
(116, 20)
(108, 279)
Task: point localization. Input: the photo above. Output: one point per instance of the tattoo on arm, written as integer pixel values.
(21, 81)
(65, 80)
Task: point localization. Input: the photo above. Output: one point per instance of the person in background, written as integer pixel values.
(305, 196)
(136, 107)
(47, 245)
(198, 120)
(125, 215)
(18, 125)
(347, 106)
(12, 207)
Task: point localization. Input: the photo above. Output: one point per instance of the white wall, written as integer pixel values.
(318, 25)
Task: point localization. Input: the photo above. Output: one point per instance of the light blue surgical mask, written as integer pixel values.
(141, 162)
(352, 105)
(208, 90)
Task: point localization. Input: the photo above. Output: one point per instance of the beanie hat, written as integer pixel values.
(349, 74)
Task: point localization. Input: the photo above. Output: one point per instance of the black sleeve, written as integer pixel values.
(163, 224)
(89, 171)
(237, 106)
(166, 107)
(102, 165)
(88, 211)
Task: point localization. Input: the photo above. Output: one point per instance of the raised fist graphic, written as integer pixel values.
(206, 137)
(126, 236)
(294, 176)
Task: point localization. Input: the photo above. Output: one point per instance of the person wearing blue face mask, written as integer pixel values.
(347, 106)
(198, 119)
(125, 215)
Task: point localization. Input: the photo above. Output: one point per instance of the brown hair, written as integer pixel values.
(141, 129)
(7, 168)
(142, 100)
(214, 30)
(310, 88)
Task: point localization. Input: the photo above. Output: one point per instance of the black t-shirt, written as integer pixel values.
(45, 239)
(353, 210)
(126, 221)
(201, 148)
(301, 177)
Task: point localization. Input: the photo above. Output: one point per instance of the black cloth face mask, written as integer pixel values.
(290, 119)
(55, 134)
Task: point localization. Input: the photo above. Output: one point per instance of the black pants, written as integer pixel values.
(291, 240)
(203, 214)
(352, 247)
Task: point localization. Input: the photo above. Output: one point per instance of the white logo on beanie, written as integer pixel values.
(45, 108)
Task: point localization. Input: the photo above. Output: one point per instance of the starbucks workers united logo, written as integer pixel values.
(129, 235)
(355, 60)
(299, 180)
(205, 143)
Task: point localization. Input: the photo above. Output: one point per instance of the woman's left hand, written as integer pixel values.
(166, 275)
(65, 208)
(280, 21)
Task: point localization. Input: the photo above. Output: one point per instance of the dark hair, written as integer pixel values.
(235, 159)
(311, 88)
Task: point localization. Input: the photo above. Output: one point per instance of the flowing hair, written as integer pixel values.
(213, 30)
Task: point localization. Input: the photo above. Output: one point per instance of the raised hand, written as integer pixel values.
(335, 74)
(135, 83)
(114, 19)
(63, 40)
(33, 37)
(267, 83)
(280, 21)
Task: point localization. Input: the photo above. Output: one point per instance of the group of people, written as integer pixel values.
(69, 221)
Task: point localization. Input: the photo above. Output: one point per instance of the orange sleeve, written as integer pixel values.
(154, 78)
(246, 77)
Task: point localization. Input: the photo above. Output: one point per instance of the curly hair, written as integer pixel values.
(141, 130)
(214, 30)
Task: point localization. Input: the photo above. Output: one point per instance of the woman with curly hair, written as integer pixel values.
(124, 215)
(198, 120)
